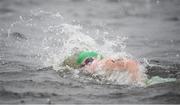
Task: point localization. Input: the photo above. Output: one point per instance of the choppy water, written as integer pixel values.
(35, 36)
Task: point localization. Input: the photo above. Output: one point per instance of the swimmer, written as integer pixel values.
(91, 61)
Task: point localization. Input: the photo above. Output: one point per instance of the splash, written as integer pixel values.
(51, 39)
(72, 39)
(75, 40)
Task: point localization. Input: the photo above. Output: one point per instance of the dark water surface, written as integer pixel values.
(31, 43)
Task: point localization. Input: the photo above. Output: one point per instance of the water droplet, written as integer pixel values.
(177, 55)
(157, 1)
(172, 41)
(48, 101)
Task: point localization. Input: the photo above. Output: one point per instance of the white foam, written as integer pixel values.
(75, 40)
(60, 39)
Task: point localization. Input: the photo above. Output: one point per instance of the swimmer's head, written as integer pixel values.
(76, 60)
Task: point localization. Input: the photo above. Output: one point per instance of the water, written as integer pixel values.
(36, 36)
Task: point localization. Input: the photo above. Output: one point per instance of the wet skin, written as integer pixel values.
(110, 65)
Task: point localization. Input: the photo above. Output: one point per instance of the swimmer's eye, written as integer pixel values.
(87, 61)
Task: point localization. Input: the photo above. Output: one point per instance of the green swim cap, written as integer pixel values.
(87, 54)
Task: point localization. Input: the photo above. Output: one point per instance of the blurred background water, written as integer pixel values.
(34, 37)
